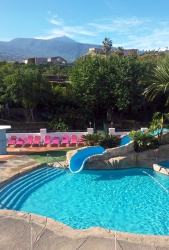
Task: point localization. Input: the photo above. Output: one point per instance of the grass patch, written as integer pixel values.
(59, 155)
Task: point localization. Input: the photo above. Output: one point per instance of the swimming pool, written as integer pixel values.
(123, 200)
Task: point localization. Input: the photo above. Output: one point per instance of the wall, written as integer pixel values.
(43, 133)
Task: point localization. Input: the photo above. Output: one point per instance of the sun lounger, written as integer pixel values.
(73, 140)
(29, 140)
(80, 142)
(47, 140)
(65, 140)
(20, 141)
(36, 141)
(55, 141)
(12, 140)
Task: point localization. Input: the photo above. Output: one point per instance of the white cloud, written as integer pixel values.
(59, 23)
(129, 32)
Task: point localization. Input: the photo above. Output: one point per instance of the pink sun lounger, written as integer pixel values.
(55, 141)
(12, 140)
(73, 140)
(20, 141)
(65, 140)
(37, 141)
(47, 140)
(80, 142)
(29, 140)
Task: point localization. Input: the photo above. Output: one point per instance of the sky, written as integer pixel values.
(130, 24)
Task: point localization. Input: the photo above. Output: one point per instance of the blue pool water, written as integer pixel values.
(164, 164)
(122, 200)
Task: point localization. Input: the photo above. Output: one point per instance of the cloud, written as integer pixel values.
(127, 32)
(59, 23)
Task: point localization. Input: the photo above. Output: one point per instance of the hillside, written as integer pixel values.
(21, 48)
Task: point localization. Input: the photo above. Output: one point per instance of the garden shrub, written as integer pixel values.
(143, 141)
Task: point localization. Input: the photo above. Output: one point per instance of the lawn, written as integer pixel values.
(58, 155)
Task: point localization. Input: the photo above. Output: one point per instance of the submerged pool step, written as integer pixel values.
(18, 181)
(16, 204)
(10, 189)
(11, 200)
(22, 181)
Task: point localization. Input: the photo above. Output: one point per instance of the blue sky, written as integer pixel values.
(139, 24)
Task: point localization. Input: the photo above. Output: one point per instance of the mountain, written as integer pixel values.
(22, 48)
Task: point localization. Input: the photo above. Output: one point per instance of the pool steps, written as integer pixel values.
(12, 197)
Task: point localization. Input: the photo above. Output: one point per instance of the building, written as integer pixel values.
(57, 60)
(125, 51)
(41, 60)
(99, 50)
(128, 52)
(36, 60)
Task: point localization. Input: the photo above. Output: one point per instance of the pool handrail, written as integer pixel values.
(48, 155)
(4, 205)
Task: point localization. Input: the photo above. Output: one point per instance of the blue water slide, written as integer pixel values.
(158, 131)
(124, 140)
(78, 160)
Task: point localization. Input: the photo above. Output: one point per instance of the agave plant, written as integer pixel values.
(92, 139)
(110, 141)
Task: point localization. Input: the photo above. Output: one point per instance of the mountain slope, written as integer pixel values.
(59, 46)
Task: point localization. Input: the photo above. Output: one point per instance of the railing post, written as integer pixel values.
(90, 130)
(111, 131)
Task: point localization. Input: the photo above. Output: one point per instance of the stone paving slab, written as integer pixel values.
(12, 167)
(21, 231)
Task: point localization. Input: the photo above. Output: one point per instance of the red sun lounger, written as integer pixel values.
(29, 140)
(65, 140)
(20, 141)
(73, 140)
(12, 140)
(47, 140)
(55, 141)
(36, 141)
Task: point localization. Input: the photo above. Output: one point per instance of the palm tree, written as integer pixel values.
(107, 44)
(159, 83)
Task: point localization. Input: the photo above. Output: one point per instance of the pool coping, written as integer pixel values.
(55, 226)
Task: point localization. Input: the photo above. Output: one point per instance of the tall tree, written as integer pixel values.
(26, 88)
(107, 44)
(158, 83)
(90, 84)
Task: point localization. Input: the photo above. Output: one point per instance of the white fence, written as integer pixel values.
(43, 132)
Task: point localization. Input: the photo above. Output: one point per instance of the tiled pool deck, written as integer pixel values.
(22, 231)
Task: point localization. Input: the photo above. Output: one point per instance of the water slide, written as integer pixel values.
(78, 160)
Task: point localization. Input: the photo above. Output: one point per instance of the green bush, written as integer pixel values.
(57, 125)
(92, 139)
(110, 141)
(143, 141)
(106, 141)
